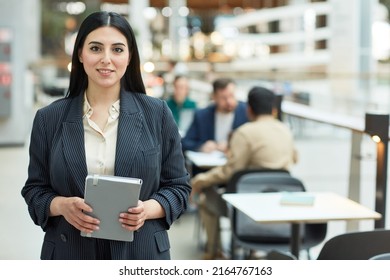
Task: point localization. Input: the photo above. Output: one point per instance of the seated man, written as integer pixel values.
(265, 142)
(211, 126)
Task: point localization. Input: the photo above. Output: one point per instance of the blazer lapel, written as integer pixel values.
(73, 143)
(129, 131)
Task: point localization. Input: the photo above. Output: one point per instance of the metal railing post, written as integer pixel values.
(377, 125)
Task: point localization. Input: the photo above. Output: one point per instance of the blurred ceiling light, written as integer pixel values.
(376, 138)
(166, 11)
(183, 31)
(216, 38)
(72, 8)
(238, 11)
(184, 11)
(149, 67)
(150, 13)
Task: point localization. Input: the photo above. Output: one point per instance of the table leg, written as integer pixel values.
(295, 239)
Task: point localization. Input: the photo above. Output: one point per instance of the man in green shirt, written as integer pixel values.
(181, 105)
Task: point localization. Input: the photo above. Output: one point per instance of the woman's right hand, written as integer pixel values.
(72, 209)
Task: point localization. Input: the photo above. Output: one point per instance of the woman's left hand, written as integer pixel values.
(135, 218)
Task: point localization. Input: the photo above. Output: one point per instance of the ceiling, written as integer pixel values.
(209, 4)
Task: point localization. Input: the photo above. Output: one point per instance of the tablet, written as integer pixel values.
(109, 196)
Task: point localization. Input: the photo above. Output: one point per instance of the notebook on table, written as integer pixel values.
(109, 196)
(297, 198)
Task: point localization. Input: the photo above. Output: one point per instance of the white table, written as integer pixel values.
(267, 208)
(206, 160)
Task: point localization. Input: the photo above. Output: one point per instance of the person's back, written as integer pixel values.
(264, 143)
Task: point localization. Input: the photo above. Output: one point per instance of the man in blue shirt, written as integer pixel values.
(211, 126)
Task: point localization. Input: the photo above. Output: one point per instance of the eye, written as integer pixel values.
(94, 48)
(118, 50)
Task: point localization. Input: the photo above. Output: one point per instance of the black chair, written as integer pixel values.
(360, 245)
(252, 236)
(384, 256)
(279, 255)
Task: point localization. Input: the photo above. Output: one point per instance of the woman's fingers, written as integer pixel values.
(75, 212)
(134, 218)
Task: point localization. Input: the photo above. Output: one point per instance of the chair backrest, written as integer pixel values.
(384, 256)
(280, 255)
(239, 176)
(253, 181)
(361, 245)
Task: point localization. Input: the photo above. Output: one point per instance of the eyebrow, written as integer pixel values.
(99, 43)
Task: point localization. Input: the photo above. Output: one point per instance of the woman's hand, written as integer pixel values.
(72, 209)
(135, 218)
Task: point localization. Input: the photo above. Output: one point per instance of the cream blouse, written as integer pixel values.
(100, 145)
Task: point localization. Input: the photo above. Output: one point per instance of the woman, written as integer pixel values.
(105, 125)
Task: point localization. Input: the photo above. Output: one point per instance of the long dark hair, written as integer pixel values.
(132, 79)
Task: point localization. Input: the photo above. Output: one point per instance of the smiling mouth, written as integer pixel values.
(104, 71)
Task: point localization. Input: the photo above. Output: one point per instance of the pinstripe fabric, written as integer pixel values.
(148, 147)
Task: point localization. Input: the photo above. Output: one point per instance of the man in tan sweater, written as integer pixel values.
(264, 142)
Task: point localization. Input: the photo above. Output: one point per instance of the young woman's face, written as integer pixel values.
(105, 56)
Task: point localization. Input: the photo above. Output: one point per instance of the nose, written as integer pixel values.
(106, 59)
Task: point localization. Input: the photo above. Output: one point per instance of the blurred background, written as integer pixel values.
(291, 46)
(331, 56)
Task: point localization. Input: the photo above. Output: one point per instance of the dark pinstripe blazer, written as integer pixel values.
(148, 147)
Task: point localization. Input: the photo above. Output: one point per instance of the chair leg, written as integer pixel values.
(308, 254)
(217, 238)
(198, 229)
(233, 248)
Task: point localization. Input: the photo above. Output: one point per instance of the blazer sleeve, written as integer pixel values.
(37, 191)
(174, 187)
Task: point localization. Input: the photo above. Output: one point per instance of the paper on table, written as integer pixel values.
(297, 198)
(207, 159)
